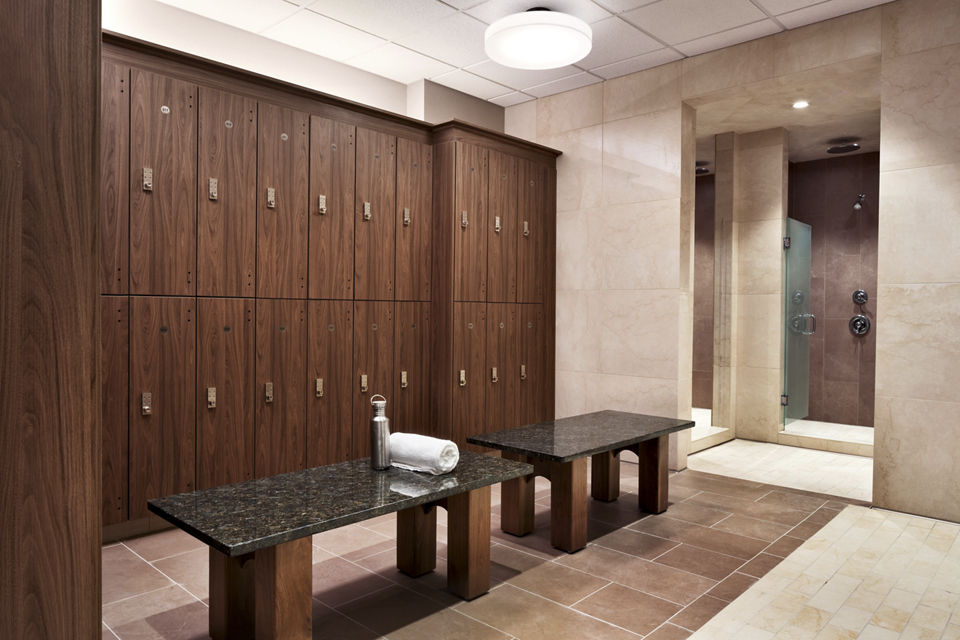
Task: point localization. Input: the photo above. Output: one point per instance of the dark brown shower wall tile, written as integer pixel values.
(759, 566)
(703, 343)
(708, 564)
(703, 389)
(841, 351)
(752, 527)
(841, 401)
(697, 614)
(635, 543)
(842, 279)
(784, 546)
(627, 608)
(732, 586)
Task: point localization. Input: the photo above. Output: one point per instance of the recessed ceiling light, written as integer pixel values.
(801, 104)
(538, 39)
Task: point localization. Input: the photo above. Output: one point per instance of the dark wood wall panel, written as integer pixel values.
(531, 341)
(414, 219)
(469, 354)
(163, 212)
(163, 348)
(502, 229)
(281, 435)
(329, 381)
(373, 331)
(411, 371)
(227, 211)
(225, 367)
(531, 230)
(500, 377)
(470, 224)
(115, 380)
(114, 180)
(332, 179)
(282, 158)
(376, 190)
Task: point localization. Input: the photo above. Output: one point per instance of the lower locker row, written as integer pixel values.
(199, 392)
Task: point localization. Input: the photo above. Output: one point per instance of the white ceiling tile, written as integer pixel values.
(321, 35)
(468, 83)
(510, 99)
(390, 20)
(619, 6)
(493, 10)
(639, 63)
(250, 15)
(825, 11)
(564, 84)
(729, 37)
(520, 78)
(457, 39)
(676, 21)
(398, 63)
(775, 7)
(614, 40)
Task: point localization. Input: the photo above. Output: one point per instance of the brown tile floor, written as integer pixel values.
(657, 577)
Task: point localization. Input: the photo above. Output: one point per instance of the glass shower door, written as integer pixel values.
(800, 324)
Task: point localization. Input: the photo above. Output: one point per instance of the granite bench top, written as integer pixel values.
(575, 437)
(240, 518)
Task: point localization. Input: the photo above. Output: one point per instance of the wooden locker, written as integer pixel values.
(373, 334)
(163, 349)
(114, 181)
(329, 381)
(227, 195)
(282, 178)
(115, 370)
(530, 374)
(375, 244)
(469, 351)
(163, 182)
(501, 387)
(225, 396)
(470, 224)
(502, 229)
(411, 371)
(333, 159)
(280, 394)
(414, 219)
(531, 230)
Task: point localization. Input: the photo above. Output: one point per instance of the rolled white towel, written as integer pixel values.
(423, 453)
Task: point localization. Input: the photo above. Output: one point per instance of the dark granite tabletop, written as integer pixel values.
(239, 518)
(579, 436)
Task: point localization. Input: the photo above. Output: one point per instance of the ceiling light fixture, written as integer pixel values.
(801, 104)
(538, 39)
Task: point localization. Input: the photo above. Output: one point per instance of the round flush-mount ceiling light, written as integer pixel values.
(538, 39)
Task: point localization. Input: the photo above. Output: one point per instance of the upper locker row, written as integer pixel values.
(214, 194)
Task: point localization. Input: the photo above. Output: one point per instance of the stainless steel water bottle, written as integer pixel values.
(379, 434)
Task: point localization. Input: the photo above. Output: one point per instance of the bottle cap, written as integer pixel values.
(379, 404)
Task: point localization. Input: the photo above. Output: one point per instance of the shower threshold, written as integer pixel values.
(829, 436)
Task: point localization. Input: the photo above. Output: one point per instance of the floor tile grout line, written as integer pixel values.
(592, 593)
(177, 555)
(109, 628)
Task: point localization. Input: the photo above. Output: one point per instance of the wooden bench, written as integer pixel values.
(558, 451)
(259, 534)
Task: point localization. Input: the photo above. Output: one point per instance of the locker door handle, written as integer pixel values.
(212, 188)
(523, 372)
(403, 379)
(406, 216)
(322, 205)
(463, 219)
(319, 387)
(526, 228)
(496, 224)
(271, 198)
(146, 403)
(367, 213)
(211, 397)
(493, 375)
(268, 393)
(147, 179)
(463, 378)
(363, 383)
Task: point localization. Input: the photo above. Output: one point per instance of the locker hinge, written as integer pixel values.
(496, 224)
(322, 205)
(271, 198)
(463, 378)
(319, 387)
(403, 379)
(526, 228)
(784, 400)
(786, 242)
(212, 185)
(493, 374)
(523, 372)
(146, 403)
(406, 216)
(211, 397)
(367, 214)
(147, 179)
(463, 219)
(268, 393)
(363, 383)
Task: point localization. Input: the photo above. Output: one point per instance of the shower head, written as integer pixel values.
(859, 203)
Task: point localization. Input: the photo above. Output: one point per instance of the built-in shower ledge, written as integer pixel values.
(712, 437)
(825, 444)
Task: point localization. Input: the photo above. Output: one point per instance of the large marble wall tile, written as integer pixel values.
(641, 158)
(570, 110)
(916, 448)
(759, 324)
(760, 180)
(578, 331)
(919, 103)
(579, 264)
(758, 403)
(571, 393)
(580, 168)
(918, 342)
(915, 25)
(643, 92)
(729, 67)
(639, 333)
(759, 256)
(639, 244)
(920, 225)
(520, 120)
(844, 38)
(654, 396)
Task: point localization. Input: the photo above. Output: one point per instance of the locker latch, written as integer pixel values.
(319, 387)
(406, 216)
(268, 393)
(212, 185)
(493, 375)
(526, 228)
(496, 224)
(363, 383)
(147, 179)
(366, 211)
(146, 403)
(271, 198)
(403, 379)
(463, 219)
(463, 378)
(211, 397)
(322, 205)
(523, 372)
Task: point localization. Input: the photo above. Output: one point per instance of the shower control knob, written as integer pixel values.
(859, 325)
(860, 296)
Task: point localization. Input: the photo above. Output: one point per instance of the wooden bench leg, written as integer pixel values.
(653, 487)
(605, 476)
(516, 502)
(568, 505)
(417, 540)
(468, 543)
(266, 595)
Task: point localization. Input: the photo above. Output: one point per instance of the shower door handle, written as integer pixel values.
(809, 324)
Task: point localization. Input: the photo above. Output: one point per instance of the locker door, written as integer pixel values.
(470, 224)
(280, 395)
(501, 387)
(411, 374)
(502, 229)
(227, 194)
(530, 372)
(163, 350)
(375, 206)
(531, 228)
(163, 182)
(282, 159)
(225, 399)
(414, 219)
(329, 381)
(114, 182)
(469, 351)
(373, 334)
(333, 159)
(115, 369)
